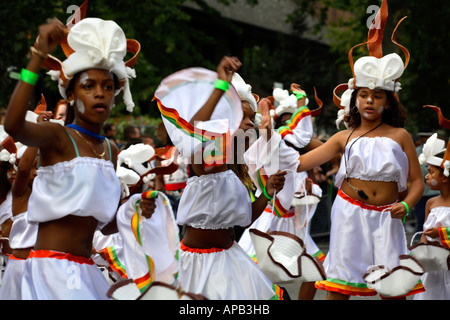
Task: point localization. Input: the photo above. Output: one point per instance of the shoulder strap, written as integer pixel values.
(109, 148)
(74, 143)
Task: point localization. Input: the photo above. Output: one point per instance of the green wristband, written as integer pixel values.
(407, 210)
(299, 95)
(266, 195)
(221, 85)
(29, 77)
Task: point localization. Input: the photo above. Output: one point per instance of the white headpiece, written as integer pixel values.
(284, 102)
(374, 71)
(134, 157)
(244, 91)
(434, 146)
(93, 43)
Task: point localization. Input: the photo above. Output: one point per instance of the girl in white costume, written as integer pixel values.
(293, 120)
(76, 190)
(437, 220)
(8, 171)
(149, 242)
(378, 159)
(22, 235)
(200, 103)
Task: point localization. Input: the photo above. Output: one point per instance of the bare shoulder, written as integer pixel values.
(58, 146)
(400, 135)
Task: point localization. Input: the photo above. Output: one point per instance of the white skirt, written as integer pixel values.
(50, 275)
(224, 274)
(357, 242)
(12, 278)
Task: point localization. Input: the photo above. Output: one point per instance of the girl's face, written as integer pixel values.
(435, 177)
(93, 94)
(11, 173)
(61, 112)
(371, 103)
(248, 119)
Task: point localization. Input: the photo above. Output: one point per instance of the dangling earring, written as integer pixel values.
(71, 102)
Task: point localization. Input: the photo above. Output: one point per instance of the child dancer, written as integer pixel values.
(22, 235)
(76, 190)
(201, 104)
(378, 160)
(437, 220)
(292, 118)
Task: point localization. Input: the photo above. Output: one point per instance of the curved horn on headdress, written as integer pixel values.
(79, 15)
(376, 32)
(443, 122)
(9, 144)
(336, 99)
(394, 40)
(318, 111)
(42, 106)
(375, 37)
(133, 46)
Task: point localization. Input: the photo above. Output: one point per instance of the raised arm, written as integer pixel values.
(27, 132)
(20, 184)
(323, 152)
(225, 70)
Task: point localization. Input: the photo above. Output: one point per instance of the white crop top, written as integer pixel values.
(374, 159)
(438, 217)
(83, 186)
(215, 201)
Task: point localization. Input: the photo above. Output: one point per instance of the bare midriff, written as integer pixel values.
(379, 192)
(208, 238)
(70, 234)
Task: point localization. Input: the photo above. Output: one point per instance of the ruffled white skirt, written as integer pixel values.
(224, 274)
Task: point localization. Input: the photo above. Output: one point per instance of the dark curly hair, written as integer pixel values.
(395, 115)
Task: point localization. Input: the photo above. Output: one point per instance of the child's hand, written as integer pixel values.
(44, 116)
(264, 106)
(227, 67)
(275, 182)
(50, 35)
(432, 233)
(398, 211)
(148, 207)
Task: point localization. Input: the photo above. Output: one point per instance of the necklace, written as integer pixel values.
(360, 192)
(100, 155)
(86, 131)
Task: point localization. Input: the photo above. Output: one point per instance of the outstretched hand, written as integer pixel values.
(264, 106)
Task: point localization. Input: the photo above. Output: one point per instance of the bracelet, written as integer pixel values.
(265, 194)
(221, 85)
(29, 77)
(38, 53)
(299, 95)
(407, 210)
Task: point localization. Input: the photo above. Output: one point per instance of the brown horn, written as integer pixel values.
(443, 122)
(318, 111)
